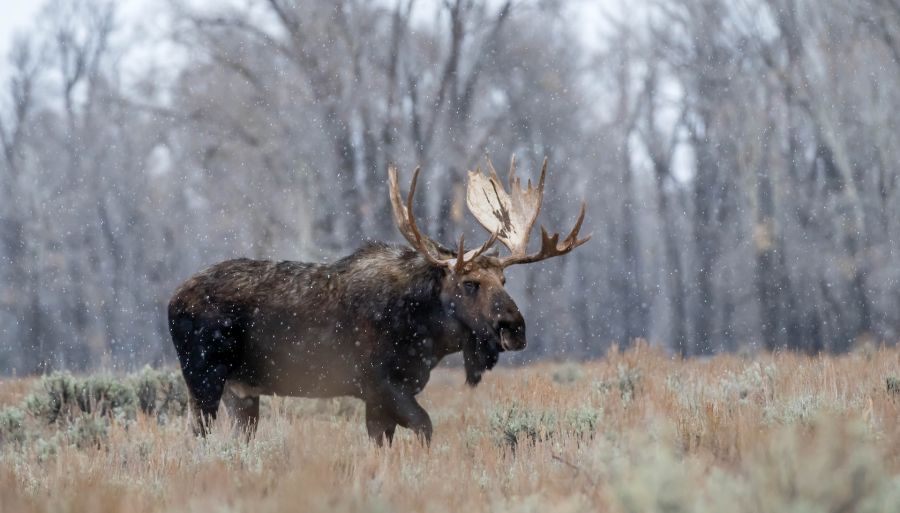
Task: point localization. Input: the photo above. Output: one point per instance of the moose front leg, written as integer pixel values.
(391, 406)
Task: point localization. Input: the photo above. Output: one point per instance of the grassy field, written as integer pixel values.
(635, 432)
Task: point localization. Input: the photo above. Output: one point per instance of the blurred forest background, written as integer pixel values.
(740, 160)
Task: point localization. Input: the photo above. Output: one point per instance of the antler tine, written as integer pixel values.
(461, 254)
(464, 257)
(406, 221)
(400, 217)
(491, 169)
(472, 255)
(410, 218)
(572, 237)
(540, 198)
(542, 179)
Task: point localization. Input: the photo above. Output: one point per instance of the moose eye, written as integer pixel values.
(471, 287)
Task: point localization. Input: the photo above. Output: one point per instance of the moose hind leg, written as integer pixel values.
(206, 386)
(202, 365)
(244, 409)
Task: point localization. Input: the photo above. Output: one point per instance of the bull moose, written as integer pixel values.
(371, 325)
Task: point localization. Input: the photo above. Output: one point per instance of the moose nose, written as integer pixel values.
(512, 331)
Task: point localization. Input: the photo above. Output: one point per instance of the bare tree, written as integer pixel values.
(739, 158)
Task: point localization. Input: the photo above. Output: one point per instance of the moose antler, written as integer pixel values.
(431, 250)
(511, 215)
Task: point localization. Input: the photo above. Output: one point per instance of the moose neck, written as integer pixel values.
(402, 289)
(448, 334)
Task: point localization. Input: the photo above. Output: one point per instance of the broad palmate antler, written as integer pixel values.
(511, 215)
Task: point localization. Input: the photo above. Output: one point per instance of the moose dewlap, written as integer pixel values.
(372, 325)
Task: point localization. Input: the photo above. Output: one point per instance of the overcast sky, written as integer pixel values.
(17, 14)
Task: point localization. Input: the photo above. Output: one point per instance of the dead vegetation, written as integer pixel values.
(637, 431)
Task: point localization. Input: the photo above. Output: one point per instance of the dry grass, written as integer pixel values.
(637, 431)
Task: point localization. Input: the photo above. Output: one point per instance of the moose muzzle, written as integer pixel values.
(511, 330)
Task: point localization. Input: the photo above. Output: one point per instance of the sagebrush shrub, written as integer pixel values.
(105, 394)
(567, 374)
(160, 392)
(892, 384)
(516, 424)
(12, 425)
(55, 397)
(86, 431)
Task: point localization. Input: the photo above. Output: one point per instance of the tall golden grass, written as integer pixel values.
(637, 431)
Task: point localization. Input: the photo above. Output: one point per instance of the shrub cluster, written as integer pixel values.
(62, 397)
(515, 423)
(892, 384)
(627, 382)
(83, 407)
(12, 425)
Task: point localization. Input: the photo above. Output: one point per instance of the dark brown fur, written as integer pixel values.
(372, 325)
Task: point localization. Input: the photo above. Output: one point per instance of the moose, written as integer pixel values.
(372, 325)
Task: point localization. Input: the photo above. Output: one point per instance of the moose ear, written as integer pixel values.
(478, 357)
